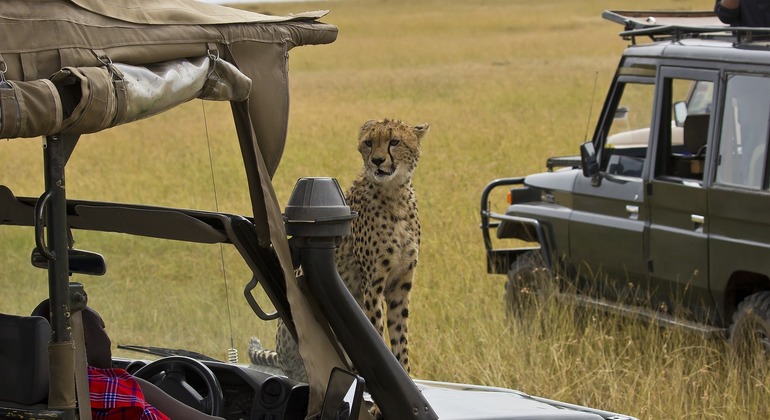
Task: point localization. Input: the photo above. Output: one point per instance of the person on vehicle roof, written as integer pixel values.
(115, 393)
(749, 13)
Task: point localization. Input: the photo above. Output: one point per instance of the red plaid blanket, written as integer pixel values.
(115, 395)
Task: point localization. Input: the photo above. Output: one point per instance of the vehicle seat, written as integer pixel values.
(695, 136)
(695, 133)
(24, 359)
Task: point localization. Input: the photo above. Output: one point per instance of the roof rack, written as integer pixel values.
(668, 25)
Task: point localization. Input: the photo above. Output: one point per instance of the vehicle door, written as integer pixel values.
(607, 224)
(739, 200)
(678, 232)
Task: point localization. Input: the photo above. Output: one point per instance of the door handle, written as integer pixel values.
(697, 218)
(633, 211)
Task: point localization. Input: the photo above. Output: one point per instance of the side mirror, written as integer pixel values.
(343, 396)
(80, 262)
(680, 113)
(621, 113)
(588, 160)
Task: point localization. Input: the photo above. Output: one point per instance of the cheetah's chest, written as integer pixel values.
(387, 233)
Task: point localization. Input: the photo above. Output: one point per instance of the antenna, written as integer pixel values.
(591, 108)
(232, 352)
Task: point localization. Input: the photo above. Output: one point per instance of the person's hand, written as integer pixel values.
(730, 4)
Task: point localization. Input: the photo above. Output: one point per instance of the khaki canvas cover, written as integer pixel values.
(63, 67)
(42, 37)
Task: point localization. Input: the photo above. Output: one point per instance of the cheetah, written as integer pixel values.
(377, 261)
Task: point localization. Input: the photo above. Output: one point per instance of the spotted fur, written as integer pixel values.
(377, 261)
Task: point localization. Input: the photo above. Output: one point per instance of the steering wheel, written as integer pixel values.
(170, 374)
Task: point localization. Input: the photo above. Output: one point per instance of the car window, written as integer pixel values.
(700, 97)
(629, 133)
(743, 138)
(683, 138)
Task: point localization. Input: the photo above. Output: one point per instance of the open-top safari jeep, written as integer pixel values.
(69, 68)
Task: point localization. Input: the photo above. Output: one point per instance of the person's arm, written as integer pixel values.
(168, 405)
(728, 11)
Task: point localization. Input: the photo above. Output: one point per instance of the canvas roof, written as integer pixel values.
(41, 37)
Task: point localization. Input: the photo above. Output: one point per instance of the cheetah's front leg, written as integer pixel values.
(373, 308)
(397, 298)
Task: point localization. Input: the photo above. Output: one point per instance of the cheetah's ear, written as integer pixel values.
(367, 125)
(420, 130)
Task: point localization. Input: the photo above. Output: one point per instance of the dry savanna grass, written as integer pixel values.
(504, 84)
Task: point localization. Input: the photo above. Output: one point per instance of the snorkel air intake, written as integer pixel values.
(316, 217)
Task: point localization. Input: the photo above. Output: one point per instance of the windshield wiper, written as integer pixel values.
(161, 351)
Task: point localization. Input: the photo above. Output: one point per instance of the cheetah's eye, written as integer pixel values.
(394, 142)
(368, 143)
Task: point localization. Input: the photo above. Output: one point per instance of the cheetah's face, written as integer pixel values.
(390, 149)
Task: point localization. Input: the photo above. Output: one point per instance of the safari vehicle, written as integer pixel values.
(75, 67)
(664, 212)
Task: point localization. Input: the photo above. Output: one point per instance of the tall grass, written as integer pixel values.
(504, 84)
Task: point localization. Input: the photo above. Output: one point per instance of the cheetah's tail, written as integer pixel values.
(261, 357)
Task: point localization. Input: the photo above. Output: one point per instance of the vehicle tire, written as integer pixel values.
(529, 283)
(750, 331)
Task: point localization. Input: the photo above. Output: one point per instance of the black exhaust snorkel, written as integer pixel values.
(316, 217)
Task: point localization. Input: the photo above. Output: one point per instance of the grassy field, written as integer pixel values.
(504, 84)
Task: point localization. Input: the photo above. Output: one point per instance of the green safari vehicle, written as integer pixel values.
(664, 214)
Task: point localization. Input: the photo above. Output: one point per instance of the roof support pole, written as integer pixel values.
(52, 207)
